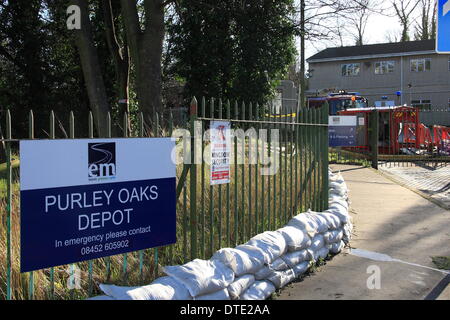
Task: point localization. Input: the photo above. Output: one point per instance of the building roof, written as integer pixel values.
(379, 49)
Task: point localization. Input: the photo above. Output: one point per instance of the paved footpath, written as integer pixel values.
(432, 182)
(388, 219)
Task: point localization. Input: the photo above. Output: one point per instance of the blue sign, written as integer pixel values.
(87, 199)
(443, 27)
(342, 131)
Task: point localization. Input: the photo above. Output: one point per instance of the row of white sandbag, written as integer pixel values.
(278, 256)
(214, 279)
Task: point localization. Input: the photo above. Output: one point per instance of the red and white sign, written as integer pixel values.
(220, 152)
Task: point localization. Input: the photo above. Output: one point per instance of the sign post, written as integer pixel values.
(93, 198)
(443, 27)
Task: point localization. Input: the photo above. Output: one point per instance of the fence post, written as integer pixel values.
(71, 136)
(125, 255)
(52, 269)
(374, 137)
(193, 180)
(156, 250)
(31, 136)
(203, 186)
(90, 262)
(8, 206)
(325, 120)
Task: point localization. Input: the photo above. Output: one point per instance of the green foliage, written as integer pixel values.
(224, 49)
(441, 262)
(39, 66)
(232, 49)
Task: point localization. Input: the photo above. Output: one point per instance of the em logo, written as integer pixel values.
(101, 160)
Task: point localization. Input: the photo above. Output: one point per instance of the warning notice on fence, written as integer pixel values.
(220, 152)
(342, 131)
(87, 199)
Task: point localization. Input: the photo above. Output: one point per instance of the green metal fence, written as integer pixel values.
(208, 217)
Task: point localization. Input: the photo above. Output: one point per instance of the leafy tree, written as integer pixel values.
(39, 66)
(234, 49)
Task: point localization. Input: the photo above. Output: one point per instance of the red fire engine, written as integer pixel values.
(401, 131)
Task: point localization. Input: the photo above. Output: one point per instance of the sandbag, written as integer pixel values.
(333, 236)
(296, 239)
(337, 247)
(333, 221)
(242, 259)
(301, 268)
(294, 258)
(340, 212)
(264, 273)
(104, 297)
(348, 228)
(322, 225)
(278, 265)
(317, 242)
(338, 188)
(305, 223)
(338, 183)
(260, 290)
(164, 288)
(336, 178)
(282, 278)
(218, 295)
(322, 253)
(240, 285)
(202, 276)
(339, 201)
(318, 253)
(333, 198)
(271, 243)
(117, 292)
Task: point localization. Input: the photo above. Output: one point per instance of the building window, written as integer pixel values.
(420, 65)
(384, 67)
(351, 69)
(424, 105)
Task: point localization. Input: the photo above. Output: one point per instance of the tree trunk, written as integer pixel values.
(146, 51)
(121, 60)
(91, 70)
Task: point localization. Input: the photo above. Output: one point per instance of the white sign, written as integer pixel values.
(220, 152)
(91, 198)
(339, 121)
(341, 131)
(64, 163)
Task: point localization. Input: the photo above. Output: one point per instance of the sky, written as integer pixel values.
(377, 29)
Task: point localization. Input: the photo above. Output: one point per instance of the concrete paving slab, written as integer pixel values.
(388, 219)
(430, 181)
(445, 295)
